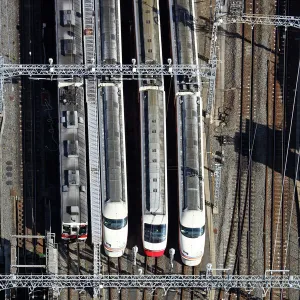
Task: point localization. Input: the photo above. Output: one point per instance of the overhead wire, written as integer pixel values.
(292, 210)
(285, 164)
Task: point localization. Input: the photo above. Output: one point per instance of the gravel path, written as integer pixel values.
(10, 136)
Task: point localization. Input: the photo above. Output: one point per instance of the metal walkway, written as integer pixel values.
(91, 93)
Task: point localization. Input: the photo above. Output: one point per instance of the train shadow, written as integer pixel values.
(132, 130)
(267, 146)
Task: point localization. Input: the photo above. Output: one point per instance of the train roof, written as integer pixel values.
(110, 51)
(111, 120)
(152, 102)
(153, 143)
(149, 32)
(72, 140)
(184, 44)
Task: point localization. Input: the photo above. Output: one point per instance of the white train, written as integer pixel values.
(153, 131)
(112, 139)
(189, 135)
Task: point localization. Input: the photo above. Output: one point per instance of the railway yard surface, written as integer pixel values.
(11, 166)
(250, 148)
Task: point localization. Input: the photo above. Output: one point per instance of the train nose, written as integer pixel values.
(154, 253)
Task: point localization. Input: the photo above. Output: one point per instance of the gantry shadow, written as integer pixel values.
(267, 146)
(182, 15)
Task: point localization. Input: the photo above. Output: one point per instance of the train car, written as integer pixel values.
(112, 139)
(72, 139)
(153, 131)
(189, 135)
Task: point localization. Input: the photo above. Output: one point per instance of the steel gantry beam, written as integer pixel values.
(82, 282)
(274, 20)
(251, 19)
(11, 70)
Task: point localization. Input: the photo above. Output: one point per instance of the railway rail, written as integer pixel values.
(245, 190)
(75, 259)
(29, 214)
(241, 248)
(282, 186)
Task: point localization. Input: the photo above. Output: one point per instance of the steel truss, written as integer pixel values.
(274, 20)
(12, 70)
(251, 19)
(82, 282)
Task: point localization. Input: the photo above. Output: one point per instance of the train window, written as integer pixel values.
(147, 21)
(67, 229)
(82, 230)
(153, 131)
(153, 150)
(154, 179)
(149, 40)
(114, 224)
(153, 121)
(192, 232)
(154, 190)
(154, 233)
(149, 50)
(154, 160)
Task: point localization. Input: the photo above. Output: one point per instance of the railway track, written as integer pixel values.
(245, 188)
(119, 265)
(243, 242)
(238, 254)
(76, 255)
(73, 266)
(240, 251)
(187, 293)
(277, 201)
(191, 293)
(32, 137)
(150, 268)
(114, 269)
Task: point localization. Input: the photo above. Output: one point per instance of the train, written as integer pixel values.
(73, 192)
(72, 141)
(153, 131)
(112, 136)
(189, 135)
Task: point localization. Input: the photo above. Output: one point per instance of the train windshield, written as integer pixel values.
(82, 229)
(192, 232)
(114, 224)
(66, 229)
(154, 233)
